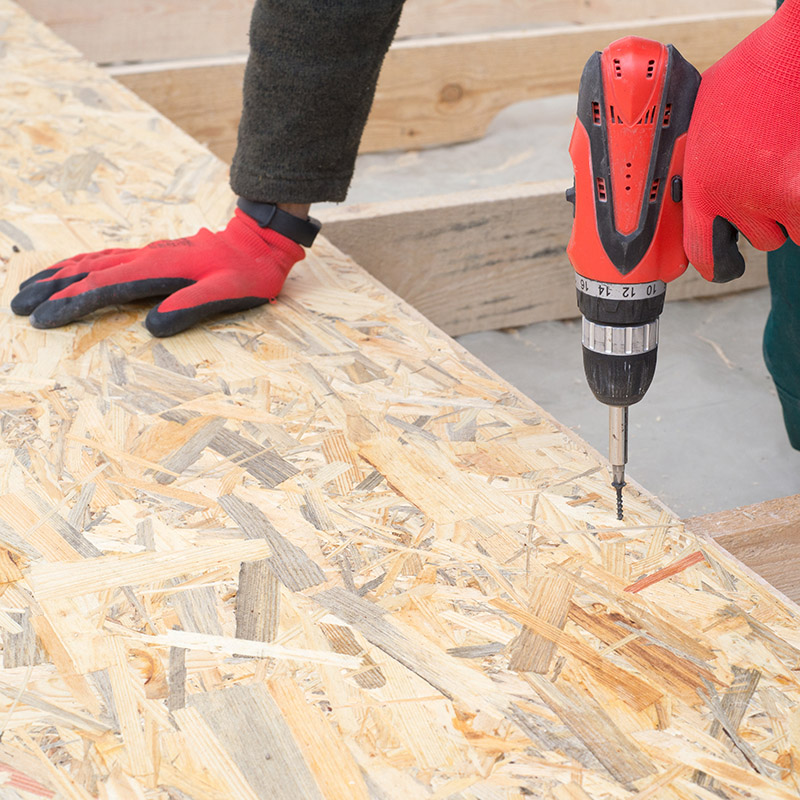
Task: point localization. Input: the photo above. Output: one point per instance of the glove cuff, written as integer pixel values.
(268, 215)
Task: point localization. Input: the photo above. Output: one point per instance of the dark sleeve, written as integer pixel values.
(308, 88)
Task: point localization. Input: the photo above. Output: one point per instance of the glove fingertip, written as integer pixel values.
(54, 314)
(39, 276)
(700, 256)
(167, 324)
(30, 299)
(20, 307)
(43, 318)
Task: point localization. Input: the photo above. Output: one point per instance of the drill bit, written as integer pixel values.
(618, 449)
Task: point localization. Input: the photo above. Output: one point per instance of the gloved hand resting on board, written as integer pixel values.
(242, 266)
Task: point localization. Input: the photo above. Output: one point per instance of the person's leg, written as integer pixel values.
(782, 334)
(309, 84)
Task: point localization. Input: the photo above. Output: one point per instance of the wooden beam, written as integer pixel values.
(123, 31)
(435, 91)
(449, 90)
(764, 536)
(201, 96)
(486, 259)
(426, 17)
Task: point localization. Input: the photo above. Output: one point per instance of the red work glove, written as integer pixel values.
(742, 168)
(238, 268)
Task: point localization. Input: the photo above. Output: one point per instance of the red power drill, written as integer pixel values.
(634, 105)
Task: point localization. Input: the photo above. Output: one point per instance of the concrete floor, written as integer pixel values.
(709, 434)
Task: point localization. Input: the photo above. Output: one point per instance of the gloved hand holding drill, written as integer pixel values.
(742, 168)
(742, 172)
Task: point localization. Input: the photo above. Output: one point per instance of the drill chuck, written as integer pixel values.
(619, 337)
(619, 362)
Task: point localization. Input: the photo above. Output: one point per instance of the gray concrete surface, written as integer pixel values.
(709, 434)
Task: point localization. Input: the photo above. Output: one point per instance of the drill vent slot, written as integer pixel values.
(667, 114)
(649, 118)
(596, 113)
(617, 68)
(601, 190)
(651, 68)
(654, 190)
(613, 117)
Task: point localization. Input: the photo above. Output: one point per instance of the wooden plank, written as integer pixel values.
(426, 17)
(449, 90)
(486, 259)
(124, 31)
(402, 584)
(119, 31)
(765, 536)
(439, 90)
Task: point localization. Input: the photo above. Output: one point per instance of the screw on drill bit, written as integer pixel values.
(618, 449)
(618, 487)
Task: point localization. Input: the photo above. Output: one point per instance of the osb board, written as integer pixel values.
(447, 604)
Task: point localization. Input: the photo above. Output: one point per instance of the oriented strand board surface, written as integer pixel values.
(444, 604)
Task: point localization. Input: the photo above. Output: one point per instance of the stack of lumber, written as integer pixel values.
(317, 550)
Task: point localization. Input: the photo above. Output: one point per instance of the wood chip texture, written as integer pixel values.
(442, 576)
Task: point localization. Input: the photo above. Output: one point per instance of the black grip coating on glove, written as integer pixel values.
(728, 261)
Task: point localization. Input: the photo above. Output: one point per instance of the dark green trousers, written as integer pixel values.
(308, 88)
(782, 333)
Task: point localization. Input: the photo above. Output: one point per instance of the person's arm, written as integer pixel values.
(308, 89)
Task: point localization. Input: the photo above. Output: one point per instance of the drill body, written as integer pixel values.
(634, 105)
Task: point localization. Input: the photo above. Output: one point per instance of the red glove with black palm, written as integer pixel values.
(742, 168)
(742, 172)
(242, 266)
